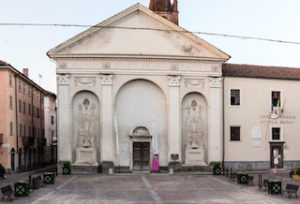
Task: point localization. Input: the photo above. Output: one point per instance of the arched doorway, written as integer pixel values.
(29, 158)
(12, 160)
(20, 159)
(140, 105)
(194, 130)
(34, 158)
(141, 149)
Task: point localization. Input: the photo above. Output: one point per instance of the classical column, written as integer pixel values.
(216, 120)
(107, 134)
(64, 130)
(174, 141)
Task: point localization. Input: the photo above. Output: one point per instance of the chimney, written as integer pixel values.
(25, 71)
(165, 9)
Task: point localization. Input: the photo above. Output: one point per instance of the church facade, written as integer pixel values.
(127, 96)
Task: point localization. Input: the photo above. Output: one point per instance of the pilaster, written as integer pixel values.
(63, 121)
(216, 119)
(174, 141)
(107, 134)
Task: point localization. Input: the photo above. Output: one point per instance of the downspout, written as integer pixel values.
(41, 130)
(16, 105)
(223, 126)
(32, 111)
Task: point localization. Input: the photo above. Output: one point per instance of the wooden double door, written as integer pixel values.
(141, 156)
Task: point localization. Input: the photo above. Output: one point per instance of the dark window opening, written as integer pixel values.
(275, 133)
(235, 97)
(235, 133)
(276, 98)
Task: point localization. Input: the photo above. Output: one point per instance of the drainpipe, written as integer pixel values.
(32, 111)
(16, 109)
(223, 127)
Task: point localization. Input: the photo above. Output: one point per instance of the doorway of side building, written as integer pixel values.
(141, 156)
(12, 159)
(276, 154)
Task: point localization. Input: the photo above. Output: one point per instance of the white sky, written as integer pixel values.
(276, 19)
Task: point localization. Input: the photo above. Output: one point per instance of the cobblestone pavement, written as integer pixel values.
(153, 188)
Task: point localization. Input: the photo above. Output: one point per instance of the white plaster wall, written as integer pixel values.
(49, 110)
(137, 103)
(254, 111)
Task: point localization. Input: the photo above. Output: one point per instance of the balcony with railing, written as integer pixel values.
(28, 141)
(1, 139)
(42, 142)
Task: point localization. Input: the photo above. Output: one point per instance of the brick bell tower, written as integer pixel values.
(165, 9)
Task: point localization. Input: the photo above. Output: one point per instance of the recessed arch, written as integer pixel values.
(194, 117)
(141, 103)
(85, 122)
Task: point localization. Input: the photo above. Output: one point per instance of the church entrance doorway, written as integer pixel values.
(141, 156)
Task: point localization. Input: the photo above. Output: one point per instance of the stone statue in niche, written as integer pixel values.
(194, 132)
(86, 124)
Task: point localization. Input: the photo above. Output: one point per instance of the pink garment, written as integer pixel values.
(155, 165)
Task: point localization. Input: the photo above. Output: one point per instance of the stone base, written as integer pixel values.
(77, 169)
(175, 165)
(258, 165)
(86, 157)
(106, 165)
(195, 156)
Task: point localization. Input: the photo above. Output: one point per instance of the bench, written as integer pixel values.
(265, 184)
(250, 180)
(232, 176)
(290, 189)
(7, 192)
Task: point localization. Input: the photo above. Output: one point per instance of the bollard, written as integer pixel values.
(260, 181)
(110, 171)
(30, 181)
(171, 171)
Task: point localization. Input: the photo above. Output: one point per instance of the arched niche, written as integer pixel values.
(141, 103)
(85, 122)
(194, 130)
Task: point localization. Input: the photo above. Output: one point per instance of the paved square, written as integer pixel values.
(149, 188)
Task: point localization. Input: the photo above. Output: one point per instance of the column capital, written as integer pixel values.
(216, 82)
(174, 80)
(63, 79)
(106, 79)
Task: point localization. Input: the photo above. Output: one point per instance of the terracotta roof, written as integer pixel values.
(2, 63)
(257, 71)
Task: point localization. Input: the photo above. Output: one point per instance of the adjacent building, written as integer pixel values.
(128, 96)
(22, 126)
(50, 126)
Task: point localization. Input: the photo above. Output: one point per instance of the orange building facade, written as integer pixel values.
(22, 126)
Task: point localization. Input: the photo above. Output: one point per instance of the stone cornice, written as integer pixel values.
(134, 57)
(97, 71)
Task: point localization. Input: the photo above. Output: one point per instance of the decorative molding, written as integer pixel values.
(194, 82)
(106, 79)
(174, 80)
(85, 81)
(215, 82)
(63, 79)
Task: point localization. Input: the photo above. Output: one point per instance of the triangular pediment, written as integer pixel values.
(155, 36)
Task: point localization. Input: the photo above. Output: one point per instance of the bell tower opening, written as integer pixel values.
(165, 9)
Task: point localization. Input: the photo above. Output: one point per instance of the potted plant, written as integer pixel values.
(295, 174)
(217, 170)
(66, 169)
